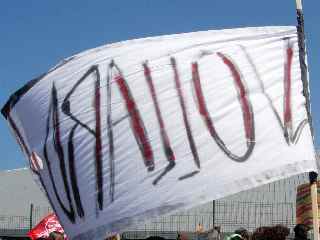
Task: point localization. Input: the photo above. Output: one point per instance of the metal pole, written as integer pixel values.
(303, 63)
(304, 76)
(31, 216)
(213, 213)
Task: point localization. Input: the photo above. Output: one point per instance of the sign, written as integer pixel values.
(146, 127)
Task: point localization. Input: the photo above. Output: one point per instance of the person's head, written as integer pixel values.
(278, 232)
(256, 235)
(301, 230)
(155, 238)
(235, 237)
(56, 236)
(243, 233)
(281, 231)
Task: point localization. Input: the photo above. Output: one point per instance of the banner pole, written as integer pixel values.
(304, 76)
(314, 199)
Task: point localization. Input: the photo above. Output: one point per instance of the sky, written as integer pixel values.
(35, 35)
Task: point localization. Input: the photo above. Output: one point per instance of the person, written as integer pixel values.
(258, 233)
(235, 236)
(301, 232)
(182, 236)
(178, 236)
(199, 228)
(278, 232)
(155, 238)
(214, 233)
(56, 236)
(243, 233)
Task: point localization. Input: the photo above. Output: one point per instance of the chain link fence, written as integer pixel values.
(11, 223)
(229, 215)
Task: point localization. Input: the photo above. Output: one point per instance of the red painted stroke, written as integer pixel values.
(248, 120)
(200, 98)
(36, 162)
(287, 88)
(245, 106)
(136, 123)
(165, 139)
(291, 136)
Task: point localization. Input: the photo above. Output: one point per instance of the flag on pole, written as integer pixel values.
(46, 226)
(146, 127)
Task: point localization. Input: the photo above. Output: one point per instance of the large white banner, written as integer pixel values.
(151, 126)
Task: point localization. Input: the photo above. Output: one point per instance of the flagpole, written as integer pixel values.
(213, 213)
(304, 76)
(314, 199)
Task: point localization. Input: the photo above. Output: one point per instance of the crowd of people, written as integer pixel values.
(54, 236)
(277, 232)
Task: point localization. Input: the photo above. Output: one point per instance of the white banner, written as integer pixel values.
(145, 127)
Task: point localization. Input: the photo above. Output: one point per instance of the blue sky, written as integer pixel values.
(35, 35)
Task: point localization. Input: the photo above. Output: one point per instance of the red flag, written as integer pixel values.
(47, 225)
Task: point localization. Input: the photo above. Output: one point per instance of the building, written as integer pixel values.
(23, 205)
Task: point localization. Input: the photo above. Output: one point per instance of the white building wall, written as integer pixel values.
(266, 205)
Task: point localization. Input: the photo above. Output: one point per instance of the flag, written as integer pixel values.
(146, 127)
(47, 225)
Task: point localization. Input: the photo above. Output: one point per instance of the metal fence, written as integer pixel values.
(229, 215)
(36, 213)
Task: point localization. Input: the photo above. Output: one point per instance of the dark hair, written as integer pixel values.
(236, 237)
(53, 235)
(282, 231)
(155, 238)
(259, 233)
(278, 232)
(301, 230)
(243, 233)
